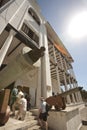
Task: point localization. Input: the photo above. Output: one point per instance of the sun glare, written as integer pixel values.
(78, 26)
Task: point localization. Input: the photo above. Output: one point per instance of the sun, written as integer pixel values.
(78, 26)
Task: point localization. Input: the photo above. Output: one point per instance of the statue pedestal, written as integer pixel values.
(65, 120)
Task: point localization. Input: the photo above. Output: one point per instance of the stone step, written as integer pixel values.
(36, 127)
(27, 118)
(14, 124)
(30, 123)
(28, 113)
(34, 112)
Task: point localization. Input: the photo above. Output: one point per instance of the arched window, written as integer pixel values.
(34, 15)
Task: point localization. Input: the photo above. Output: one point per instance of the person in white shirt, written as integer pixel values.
(17, 101)
(22, 108)
(43, 114)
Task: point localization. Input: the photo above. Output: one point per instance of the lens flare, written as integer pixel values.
(78, 26)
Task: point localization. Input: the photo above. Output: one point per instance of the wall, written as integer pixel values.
(64, 120)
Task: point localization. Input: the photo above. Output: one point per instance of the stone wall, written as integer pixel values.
(65, 120)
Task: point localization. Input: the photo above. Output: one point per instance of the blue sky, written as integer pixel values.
(60, 13)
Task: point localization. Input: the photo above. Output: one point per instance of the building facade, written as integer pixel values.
(23, 27)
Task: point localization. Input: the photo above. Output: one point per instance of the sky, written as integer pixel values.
(69, 20)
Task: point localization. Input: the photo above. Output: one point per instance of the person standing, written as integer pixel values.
(17, 101)
(22, 108)
(28, 98)
(43, 114)
(13, 95)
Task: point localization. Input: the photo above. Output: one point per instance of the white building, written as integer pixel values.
(21, 26)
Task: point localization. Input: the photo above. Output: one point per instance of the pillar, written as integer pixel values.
(38, 89)
(57, 71)
(69, 82)
(66, 88)
(66, 68)
(73, 98)
(46, 85)
(79, 96)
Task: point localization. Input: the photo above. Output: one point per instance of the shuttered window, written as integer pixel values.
(30, 33)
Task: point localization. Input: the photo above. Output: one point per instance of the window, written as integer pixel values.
(30, 33)
(34, 15)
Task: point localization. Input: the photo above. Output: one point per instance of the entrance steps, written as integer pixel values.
(30, 123)
(74, 117)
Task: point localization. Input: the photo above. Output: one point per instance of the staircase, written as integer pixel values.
(30, 123)
(34, 123)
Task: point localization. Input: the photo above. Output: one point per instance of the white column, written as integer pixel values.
(38, 89)
(66, 88)
(75, 84)
(79, 97)
(73, 98)
(69, 82)
(72, 73)
(57, 72)
(46, 85)
(6, 46)
(66, 68)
